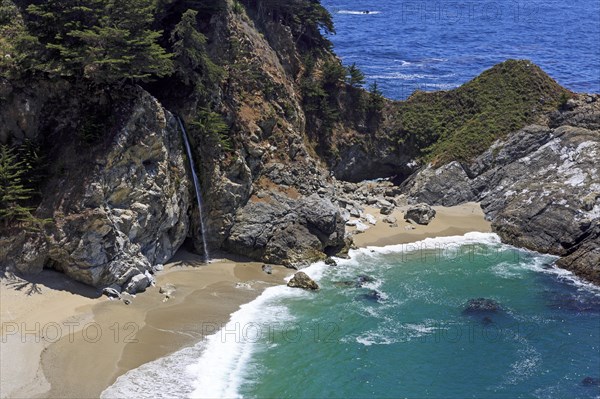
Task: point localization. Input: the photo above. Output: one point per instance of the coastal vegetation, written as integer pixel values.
(459, 124)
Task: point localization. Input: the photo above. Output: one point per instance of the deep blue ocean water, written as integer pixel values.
(403, 334)
(406, 45)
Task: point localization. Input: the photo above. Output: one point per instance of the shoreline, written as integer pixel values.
(102, 339)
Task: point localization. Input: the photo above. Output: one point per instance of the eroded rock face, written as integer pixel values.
(119, 213)
(540, 188)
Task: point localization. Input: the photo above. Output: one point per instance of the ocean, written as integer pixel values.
(395, 322)
(408, 45)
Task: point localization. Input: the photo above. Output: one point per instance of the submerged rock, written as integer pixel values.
(590, 382)
(372, 295)
(361, 279)
(301, 280)
(420, 213)
(481, 306)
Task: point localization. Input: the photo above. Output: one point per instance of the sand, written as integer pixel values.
(449, 221)
(83, 341)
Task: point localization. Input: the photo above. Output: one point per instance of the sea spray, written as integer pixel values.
(196, 187)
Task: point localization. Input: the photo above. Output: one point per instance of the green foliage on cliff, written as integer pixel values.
(212, 128)
(13, 191)
(355, 78)
(106, 41)
(462, 123)
(192, 63)
(306, 19)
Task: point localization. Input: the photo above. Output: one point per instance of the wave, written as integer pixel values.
(354, 12)
(411, 76)
(214, 367)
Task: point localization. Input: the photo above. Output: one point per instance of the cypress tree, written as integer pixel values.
(106, 41)
(12, 189)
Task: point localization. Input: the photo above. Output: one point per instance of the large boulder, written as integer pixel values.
(292, 232)
(301, 280)
(420, 213)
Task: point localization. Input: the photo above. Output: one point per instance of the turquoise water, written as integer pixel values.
(416, 342)
(403, 333)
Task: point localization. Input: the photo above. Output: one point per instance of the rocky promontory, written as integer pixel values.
(540, 186)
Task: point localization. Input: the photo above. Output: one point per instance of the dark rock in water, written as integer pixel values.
(363, 278)
(267, 269)
(590, 382)
(574, 303)
(301, 280)
(111, 292)
(330, 262)
(420, 213)
(487, 320)
(345, 283)
(372, 295)
(482, 305)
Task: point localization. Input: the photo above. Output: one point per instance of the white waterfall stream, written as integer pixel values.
(196, 186)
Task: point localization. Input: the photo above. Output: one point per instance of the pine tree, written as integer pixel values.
(355, 76)
(12, 191)
(106, 41)
(376, 99)
(192, 63)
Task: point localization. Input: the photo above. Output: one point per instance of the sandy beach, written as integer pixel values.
(60, 338)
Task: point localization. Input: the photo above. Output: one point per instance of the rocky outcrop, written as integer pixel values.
(292, 232)
(481, 306)
(301, 280)
(540, 187)
(118, 209)
(420, 213)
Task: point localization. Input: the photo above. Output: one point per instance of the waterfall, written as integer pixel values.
(196, 186)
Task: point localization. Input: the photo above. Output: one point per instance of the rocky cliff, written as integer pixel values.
(116, 210)
(118, 198)
(271, 118)
(540, 186)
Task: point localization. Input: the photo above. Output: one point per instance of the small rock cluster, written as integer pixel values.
(352, 198)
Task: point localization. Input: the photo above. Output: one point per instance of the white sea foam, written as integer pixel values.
(431, 243)
(214, 367)
(219, 371)
(354, 12)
